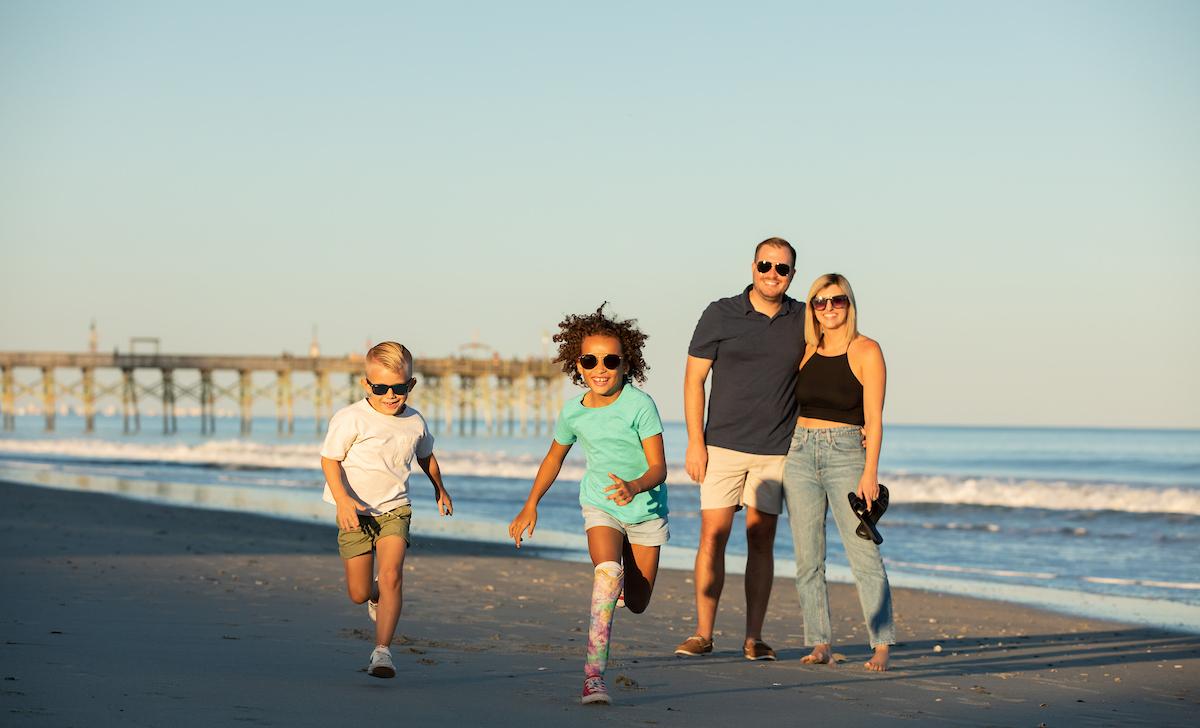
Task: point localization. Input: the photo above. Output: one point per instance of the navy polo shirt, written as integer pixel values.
(752, 400)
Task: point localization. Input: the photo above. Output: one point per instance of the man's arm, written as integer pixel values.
(696, 460)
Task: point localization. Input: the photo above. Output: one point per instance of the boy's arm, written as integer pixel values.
(347, 506)
(622, 492)
(434, 473)
(546, 475)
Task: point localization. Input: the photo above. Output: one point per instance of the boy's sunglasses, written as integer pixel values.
(782, 269)
(838, 301)
(381, 389)
(589, 361)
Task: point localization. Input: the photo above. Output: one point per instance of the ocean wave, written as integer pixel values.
(907, 489)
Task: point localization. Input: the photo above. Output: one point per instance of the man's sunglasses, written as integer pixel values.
(381, 389)
(589, 361)
(782, 269)
(839, 301)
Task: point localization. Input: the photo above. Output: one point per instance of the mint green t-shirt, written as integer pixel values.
(612, 441)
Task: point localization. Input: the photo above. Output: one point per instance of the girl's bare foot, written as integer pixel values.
(820, 655)
(879, 661)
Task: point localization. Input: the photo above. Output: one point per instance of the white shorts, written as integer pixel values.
(743, 479)
(647, 533)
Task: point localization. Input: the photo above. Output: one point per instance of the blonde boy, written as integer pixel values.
(367, 457)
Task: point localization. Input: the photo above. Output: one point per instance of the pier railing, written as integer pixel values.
(506, 395)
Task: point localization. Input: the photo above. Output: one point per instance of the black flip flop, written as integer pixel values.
(867, 519)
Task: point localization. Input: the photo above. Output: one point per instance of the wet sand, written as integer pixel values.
(117, 612)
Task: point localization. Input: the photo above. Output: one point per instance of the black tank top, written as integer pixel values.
(828, 390)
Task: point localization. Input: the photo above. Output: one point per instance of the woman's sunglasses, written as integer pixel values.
(381, 389)
(781, 268)
(589, 361)
(838, 301)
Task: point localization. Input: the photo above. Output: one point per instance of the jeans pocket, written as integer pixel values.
(848, 443)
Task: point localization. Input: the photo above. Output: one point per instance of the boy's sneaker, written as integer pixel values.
(372, 610)
(381, 663)
(694, 645)
(594, 691)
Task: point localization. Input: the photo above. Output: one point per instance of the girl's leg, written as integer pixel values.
(605, 546)
(390, 551)
(866, 563)
(641, 568)
(806, 506)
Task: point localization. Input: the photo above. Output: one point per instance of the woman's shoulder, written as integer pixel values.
(864, 346)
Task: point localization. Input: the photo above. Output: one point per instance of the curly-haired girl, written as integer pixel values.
(624, 502)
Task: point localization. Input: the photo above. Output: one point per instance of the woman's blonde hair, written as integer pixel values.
(812, 328)
(394, 356)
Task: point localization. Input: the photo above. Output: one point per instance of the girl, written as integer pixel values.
(840, 389)
(624, 503)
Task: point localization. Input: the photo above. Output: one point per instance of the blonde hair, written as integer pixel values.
(813, 336)
(394, 356)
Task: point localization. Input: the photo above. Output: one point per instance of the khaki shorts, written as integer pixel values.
(743, 479)
(372, 528)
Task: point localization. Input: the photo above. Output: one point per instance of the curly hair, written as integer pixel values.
(573, 329)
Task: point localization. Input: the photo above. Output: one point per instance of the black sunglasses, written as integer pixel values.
(782, 269)
(589, 361)
(839, 301)
(381, 389)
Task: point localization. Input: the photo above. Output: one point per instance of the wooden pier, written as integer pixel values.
(506, 395)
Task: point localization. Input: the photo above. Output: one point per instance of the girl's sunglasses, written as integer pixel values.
(838, 301)
(781, 268)
(381, 389)
(589, 361)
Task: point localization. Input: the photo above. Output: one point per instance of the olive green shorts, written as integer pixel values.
(372, 528)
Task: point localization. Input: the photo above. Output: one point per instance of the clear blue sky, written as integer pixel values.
(1013, 188)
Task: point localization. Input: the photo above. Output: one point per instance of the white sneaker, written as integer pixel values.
(372, 610)
(381, 663)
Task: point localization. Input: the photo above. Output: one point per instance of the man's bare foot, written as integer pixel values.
(879, 661)
(821, 655)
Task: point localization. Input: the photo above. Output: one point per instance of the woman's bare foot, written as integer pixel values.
(879, 661)
(821, 655)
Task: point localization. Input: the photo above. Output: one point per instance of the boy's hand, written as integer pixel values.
(622, 491)
(445, 507)
(347, 516)
(526, 519)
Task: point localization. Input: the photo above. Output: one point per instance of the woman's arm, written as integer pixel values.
(873, 374)
(546, 475)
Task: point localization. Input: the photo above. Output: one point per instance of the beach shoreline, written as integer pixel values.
(126, 612)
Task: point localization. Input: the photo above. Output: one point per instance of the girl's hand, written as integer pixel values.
(868, 490)
(445, 506)
(622, 492)
(527, 518)
(347, 515)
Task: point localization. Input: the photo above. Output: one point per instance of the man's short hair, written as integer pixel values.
(776, 243)
(394, 356)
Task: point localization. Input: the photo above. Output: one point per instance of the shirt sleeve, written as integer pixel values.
(706, 337)
(646, 421)
(341, 435)
(563, 432)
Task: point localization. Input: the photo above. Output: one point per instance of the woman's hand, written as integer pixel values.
(868, 490)
(526, 519)
(622, 491)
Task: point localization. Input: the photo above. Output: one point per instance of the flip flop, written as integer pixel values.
(867, 519)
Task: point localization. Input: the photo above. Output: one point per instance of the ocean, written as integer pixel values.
(1099, 522)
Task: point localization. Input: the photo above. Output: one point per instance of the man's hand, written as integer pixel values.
(622, 492)
(696, 461)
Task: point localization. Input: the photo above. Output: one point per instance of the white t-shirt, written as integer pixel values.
(376, 451)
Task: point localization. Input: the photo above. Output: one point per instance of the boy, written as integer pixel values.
(367, 457)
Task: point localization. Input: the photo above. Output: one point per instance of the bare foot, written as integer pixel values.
(879, 661)
(820, 655)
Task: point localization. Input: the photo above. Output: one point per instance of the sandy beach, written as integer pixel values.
(118, 612)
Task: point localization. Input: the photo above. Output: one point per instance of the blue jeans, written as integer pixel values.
(823, 465)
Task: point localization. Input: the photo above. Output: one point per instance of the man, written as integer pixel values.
(752, 344)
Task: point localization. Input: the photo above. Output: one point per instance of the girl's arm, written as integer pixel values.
(546, 475)
(623, 491)
(434, 472)
(874, 380)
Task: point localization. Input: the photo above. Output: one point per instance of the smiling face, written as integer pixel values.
(602, 380)
(832, 318)
(770, 285)
(388, 403)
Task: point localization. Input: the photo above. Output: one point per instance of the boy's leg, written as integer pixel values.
(389, 552)
(641, 568)
(359, 577)
(605, 546)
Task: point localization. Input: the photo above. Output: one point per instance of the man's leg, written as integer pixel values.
(715, 526)
(760, 568)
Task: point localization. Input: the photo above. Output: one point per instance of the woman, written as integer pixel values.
(840, 388)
